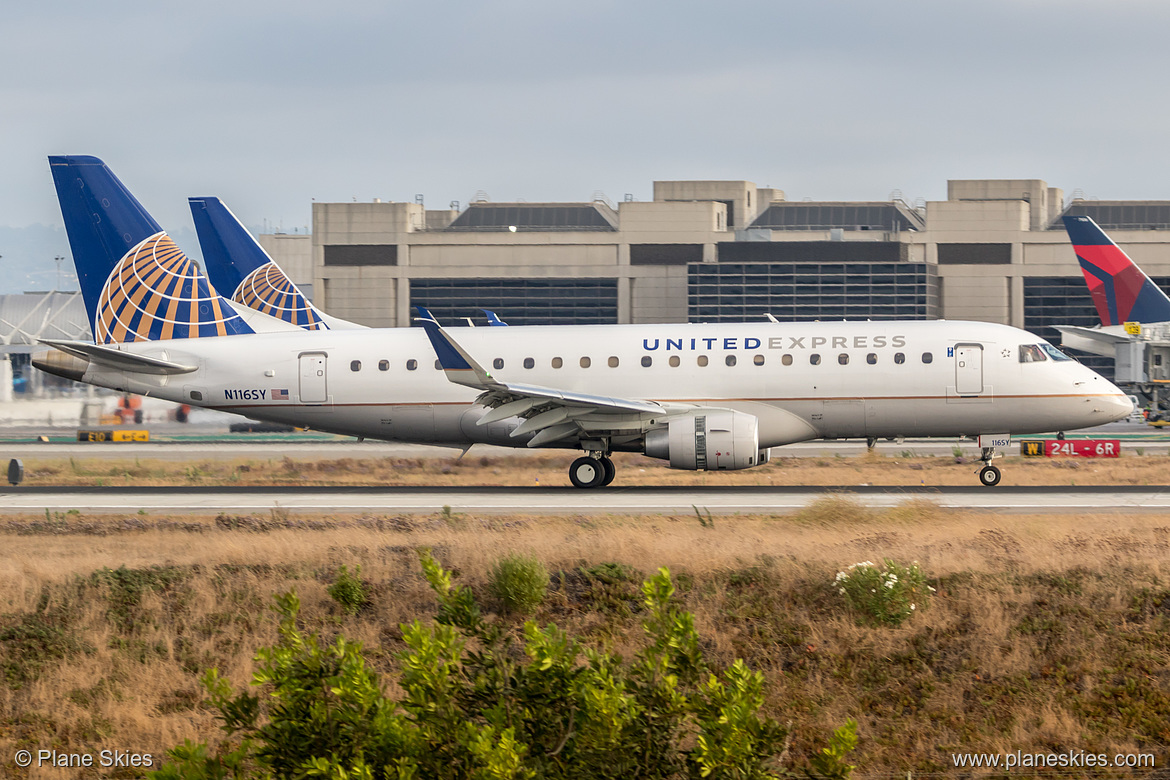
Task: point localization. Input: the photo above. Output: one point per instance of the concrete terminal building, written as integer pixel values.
(995, 250)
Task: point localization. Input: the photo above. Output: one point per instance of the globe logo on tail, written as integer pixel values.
(155, 293)
(269, 291)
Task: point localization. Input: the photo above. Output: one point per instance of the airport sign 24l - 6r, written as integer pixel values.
(1080, 448)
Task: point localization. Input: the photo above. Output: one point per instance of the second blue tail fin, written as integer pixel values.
(239, 266)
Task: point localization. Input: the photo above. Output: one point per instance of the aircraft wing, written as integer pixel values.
(1097, 341)
(549, 413)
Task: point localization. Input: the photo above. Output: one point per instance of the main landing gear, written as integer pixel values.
(592, 471)
(989, 475)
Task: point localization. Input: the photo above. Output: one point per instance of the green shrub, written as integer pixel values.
(126, 587)
(519, 582)
(29, 642)
(884, 595)
(475, 708)
(348, 591)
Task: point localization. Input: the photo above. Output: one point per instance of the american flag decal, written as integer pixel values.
(280, 395)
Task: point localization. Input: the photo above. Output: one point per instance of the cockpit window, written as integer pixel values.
(1031, 353)
(1054, 353)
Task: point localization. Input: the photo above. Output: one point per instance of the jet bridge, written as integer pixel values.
(1141, 354)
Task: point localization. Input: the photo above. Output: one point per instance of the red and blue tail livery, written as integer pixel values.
(136, 283)
(1120, 290)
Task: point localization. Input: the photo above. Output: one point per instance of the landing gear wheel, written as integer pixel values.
(989, 475)
(586, 472)
(610, 471)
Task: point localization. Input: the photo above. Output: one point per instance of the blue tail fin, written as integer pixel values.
(136, 283)
(240, 267)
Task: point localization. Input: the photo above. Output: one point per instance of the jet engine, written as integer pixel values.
(708, 440)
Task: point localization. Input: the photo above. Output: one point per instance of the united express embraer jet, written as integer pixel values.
(699, 396)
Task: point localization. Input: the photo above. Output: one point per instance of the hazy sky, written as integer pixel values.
(272, 104)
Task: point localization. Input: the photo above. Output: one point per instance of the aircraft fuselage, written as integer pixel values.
(802, 380)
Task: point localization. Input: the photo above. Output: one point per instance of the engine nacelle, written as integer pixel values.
(708, 440)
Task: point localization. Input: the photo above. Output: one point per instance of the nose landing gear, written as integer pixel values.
(592, 471)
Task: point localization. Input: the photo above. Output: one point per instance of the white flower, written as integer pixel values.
(912, 606)
(842, 591)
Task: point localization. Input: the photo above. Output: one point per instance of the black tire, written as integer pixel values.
(586, 472)
(610, 471)
(989, 476)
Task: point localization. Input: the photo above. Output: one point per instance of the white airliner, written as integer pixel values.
(698, 396)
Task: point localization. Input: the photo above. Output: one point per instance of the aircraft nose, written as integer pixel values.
(1116, 405)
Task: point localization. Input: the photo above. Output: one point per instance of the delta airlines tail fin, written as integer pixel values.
(1120, 291)
(136, 283)
(239, 266)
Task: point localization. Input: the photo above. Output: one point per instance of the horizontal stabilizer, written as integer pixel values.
(117, 360)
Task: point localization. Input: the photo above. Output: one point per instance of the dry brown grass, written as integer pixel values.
(551, 469)
(1046, 633)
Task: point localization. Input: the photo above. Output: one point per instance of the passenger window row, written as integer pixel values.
(702, 360)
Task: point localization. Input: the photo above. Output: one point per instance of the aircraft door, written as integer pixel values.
(313, 389)
(968, 369)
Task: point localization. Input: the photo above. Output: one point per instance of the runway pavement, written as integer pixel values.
(176, 443)
(559, 500)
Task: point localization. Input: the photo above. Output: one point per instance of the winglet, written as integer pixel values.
(459, 366)
(493, 318)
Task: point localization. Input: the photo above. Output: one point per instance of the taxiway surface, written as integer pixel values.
(559, 500)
